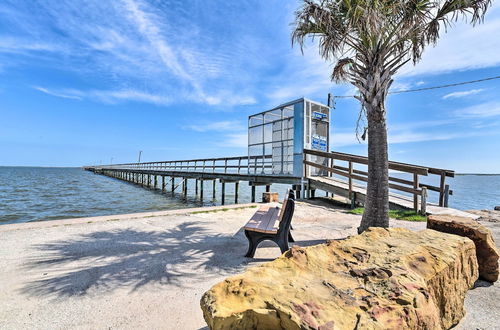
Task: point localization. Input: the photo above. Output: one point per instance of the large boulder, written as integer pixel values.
(486, 250)
(382, 279)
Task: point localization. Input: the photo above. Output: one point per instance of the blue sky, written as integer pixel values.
(82, 82)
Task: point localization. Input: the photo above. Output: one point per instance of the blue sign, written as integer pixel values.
(319, 144)
(318, 115)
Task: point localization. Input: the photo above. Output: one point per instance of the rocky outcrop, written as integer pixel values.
(486, 250)
(486, 215)
(382, 279)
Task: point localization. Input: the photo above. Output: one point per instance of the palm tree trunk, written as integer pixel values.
(376, 212)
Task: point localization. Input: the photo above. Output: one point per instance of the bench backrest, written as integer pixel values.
(286, 214)
(283, 205)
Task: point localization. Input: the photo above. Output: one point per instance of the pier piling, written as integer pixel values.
(236, 191)
(201, 190)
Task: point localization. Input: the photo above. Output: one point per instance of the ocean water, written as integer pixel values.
(38, 194)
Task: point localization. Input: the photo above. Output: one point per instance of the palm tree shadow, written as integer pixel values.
(108, 260)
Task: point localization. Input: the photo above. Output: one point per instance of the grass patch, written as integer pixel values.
(406, 215)
(225, 209)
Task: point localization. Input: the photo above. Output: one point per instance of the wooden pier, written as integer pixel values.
(332, 172)
(228, 170)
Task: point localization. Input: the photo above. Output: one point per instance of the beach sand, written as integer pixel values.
(150, 270)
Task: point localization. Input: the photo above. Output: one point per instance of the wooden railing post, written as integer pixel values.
(441, 189)
(415, 196)
(423, 203)
(350, 179)
(446, 195)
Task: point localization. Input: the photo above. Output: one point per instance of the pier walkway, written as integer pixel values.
(332, 172)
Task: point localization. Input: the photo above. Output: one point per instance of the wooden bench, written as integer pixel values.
(271, 223)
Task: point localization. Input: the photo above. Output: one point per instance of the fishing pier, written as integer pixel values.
(289, 145)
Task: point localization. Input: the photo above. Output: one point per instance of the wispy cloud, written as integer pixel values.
(107, 96)
(164, 50)
(463, 47)
(484, 110)
(69, 95)
(400, 137)
(219, 126)
(462, 94)
(129, 95)
(237, 140)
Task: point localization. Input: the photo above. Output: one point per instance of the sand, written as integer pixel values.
(150, 270)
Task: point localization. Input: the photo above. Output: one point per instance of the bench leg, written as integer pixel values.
(283, 244)
(253, 242)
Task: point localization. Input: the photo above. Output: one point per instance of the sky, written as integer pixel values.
(90, 82)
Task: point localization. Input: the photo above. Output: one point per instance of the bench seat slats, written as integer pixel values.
(263, 220)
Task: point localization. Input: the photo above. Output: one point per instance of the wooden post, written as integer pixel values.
(184, 187)
(423, 202)
(350, 179)
(268, 187)
(163, 183)
(446, 195)
(441, 189)
(201, 190)
(236, 190)
(415, 196)
(156, 181)
(213, 189)
(196, 187)
(353, 200)
(173, 184)
(223, 194)
(253, 194)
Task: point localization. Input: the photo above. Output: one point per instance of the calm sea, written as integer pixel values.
(34, 194)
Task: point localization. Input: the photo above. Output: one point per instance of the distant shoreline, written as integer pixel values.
(484, 174)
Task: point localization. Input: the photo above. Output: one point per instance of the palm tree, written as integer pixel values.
(370, 40)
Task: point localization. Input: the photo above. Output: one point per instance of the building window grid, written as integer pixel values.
(285, 146)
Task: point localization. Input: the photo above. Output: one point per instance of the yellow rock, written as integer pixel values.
(382, 279)
(486, 251)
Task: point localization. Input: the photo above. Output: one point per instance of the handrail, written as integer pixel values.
(190, 160)
(227, 165)
(413, 187)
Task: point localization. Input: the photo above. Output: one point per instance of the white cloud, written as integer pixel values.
(397, 137)
(462, 94)
(227, 125)
(463, 47)
(237, 140)
(343, 139)
(129, 95)
(107, 96)
(69, 95)
(484, 110)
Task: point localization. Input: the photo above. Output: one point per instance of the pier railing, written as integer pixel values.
(227, 165)
(326, 163)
